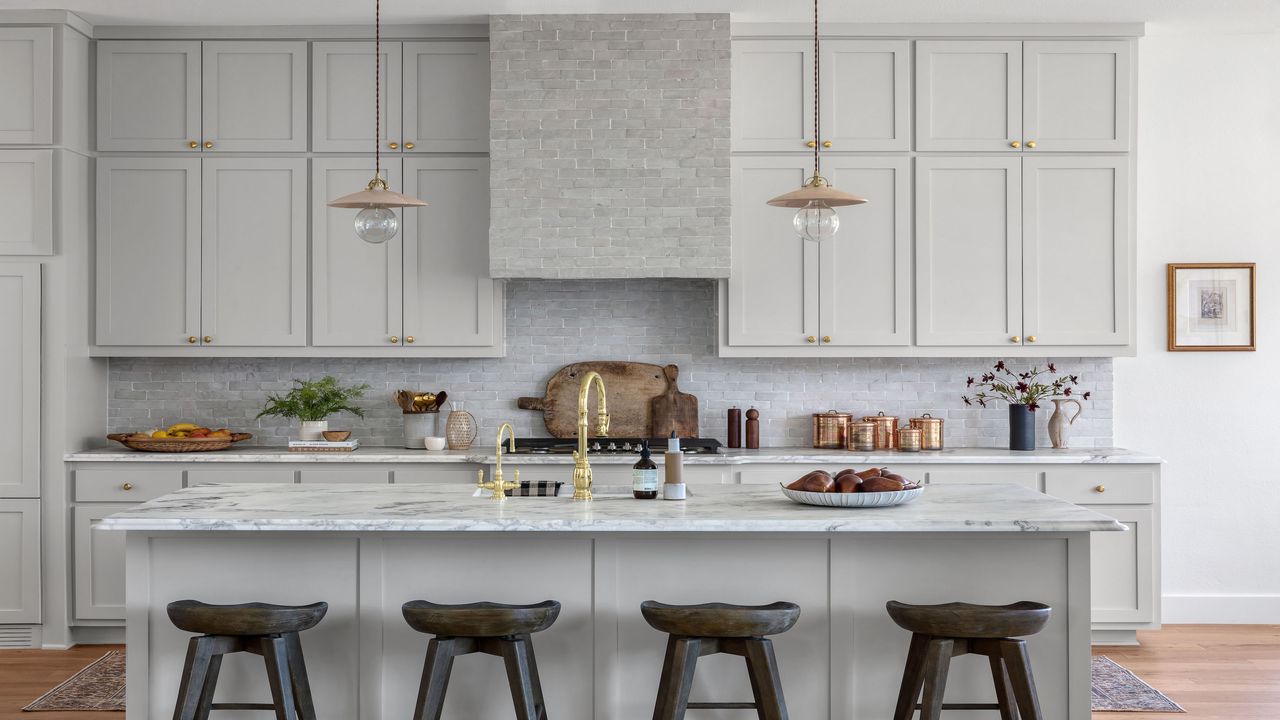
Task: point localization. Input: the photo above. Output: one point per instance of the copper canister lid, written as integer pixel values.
(926, 419)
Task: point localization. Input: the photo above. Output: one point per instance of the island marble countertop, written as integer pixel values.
(417, 508)
(726, 456)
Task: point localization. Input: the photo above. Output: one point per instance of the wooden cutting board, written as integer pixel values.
(629, 386)
(674, 410)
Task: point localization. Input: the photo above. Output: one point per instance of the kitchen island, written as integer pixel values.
(367, 549)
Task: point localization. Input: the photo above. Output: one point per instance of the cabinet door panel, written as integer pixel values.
(865, 270)
(254, 248)
(148, 251)
(19, 561)
(446, 96)
(356, 298)
(26, 84)
(1076, 250)
(99, 564)
(1123, 567)
(448, 294)
(968, 251)
(26, 202)
(772, 105)
(1077, 94)
(148, 94)
(968, 95)
(255, 96)
(20, 380)
(773, 290)
(342, 96)
(864, 95)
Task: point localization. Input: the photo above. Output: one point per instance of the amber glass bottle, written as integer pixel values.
(644, 476)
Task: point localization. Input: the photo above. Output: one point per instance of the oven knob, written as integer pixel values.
(613, 447)
(626, 446)
(595, 447)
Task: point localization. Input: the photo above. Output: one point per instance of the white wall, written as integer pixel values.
(1209, 190)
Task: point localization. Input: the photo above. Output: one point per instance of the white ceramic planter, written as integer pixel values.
(312, 429)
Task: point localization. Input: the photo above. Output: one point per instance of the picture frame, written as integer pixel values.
(1212, 307)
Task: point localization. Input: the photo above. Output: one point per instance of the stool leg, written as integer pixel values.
(275, 653)
(1004, 690)
(537, 681)
(665, 680)
(912, 678)
(298, 677)
(677, 672)
(435, 679)
(515, 654)
(937, 664)
(194, 674)
(1018, 663)
(767, 684)
(210, 685)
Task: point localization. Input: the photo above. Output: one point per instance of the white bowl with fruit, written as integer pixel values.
(875, 487)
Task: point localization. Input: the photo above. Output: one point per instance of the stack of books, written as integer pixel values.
(323, 446)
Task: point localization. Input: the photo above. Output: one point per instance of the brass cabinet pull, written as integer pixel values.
(1031, 144)
(395, 339)
(127, 486)
(1016, 338)
(826, 143)
(1100, 489)
(408, 339)
(826, 338)
(193, 144)
(1015, 144)
(1031, 338)
(208, 339)
(193, 339)
(208, 144)
(811, 339)
(811, 143)
(393, 146)
(408, 146)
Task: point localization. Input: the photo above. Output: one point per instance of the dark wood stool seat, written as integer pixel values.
(245, 619)
(694, 631)
(481, 619)
(941, 632)
(721, 619)
(482, 627)
(259, 628)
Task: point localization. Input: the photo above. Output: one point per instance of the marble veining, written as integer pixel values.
(956, 456)
(712, 508)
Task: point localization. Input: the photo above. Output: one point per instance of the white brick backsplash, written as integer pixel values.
(554, 323)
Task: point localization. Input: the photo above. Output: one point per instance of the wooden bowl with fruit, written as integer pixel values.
(874, 487)
(183, 437)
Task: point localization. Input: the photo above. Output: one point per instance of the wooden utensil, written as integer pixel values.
(674, 410)
(630, 386)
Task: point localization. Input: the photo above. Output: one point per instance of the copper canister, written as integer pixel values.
(930, 429)
(886, 430)
(909, 439)
(861, 436)
(830, 429)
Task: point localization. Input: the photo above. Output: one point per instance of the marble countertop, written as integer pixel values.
(484, 455)
(712, 508)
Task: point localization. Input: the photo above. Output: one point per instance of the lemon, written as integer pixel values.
(159, 434)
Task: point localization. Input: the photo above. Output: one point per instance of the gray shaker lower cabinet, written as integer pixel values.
(99, 563)
(19, 561)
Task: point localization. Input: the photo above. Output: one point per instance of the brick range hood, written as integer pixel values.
(609, 146)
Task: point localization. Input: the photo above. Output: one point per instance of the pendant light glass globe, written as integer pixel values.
(376, 225)
(816, 222)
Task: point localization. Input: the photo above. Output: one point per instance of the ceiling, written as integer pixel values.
(1221, 15)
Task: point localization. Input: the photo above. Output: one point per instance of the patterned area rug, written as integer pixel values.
(99, 686)
(1118, 690)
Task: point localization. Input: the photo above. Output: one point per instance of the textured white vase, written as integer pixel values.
(1059, 425)
(312, 429)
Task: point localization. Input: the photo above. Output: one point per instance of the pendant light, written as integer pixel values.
(376, 222)
(816, 220)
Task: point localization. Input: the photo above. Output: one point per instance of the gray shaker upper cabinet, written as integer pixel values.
(148, 95)
(255, 96)
(1077, 95)
(968, 95)
(26, 84)
(772, 109)
(865, 95)
(446, 96)
(342, 96)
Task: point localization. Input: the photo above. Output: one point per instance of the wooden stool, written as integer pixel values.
(711, 628)
(267, 630)
(483, 627)
(941, 632)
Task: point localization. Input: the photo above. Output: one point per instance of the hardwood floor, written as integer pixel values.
(1215, 672)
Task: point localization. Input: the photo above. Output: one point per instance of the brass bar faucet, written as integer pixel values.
(498, 485)
(581, 466)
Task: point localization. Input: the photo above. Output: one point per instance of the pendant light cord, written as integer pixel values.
(817, 167)
(377, 88)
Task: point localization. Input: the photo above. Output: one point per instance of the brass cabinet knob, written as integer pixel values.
(127, 486)
(393, 146)
(408, 146)
(395, 339)
(1031, 143)
(208, 339)
(408, 339)
(1031, 338)
(826, 143)
(208, 144)
(826, 338)
(1100, 489)
(811, 339)
(1015, 144)
(1016, 338)
(193, 144)
(811, 143)
(193, 339)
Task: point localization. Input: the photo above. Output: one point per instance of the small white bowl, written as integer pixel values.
(434, 444)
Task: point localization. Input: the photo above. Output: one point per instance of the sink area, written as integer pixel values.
(599, 492)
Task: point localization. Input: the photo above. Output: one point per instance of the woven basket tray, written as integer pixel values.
(145, 443)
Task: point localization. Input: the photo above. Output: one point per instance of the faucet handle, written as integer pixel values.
(480, 477)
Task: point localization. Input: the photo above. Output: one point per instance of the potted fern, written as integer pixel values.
(311, 402)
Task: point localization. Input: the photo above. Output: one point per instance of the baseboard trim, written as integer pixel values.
(1221, 610)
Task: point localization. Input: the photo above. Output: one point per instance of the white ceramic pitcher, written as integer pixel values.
(1058, 422)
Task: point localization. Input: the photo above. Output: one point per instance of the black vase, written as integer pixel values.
(1022, 427)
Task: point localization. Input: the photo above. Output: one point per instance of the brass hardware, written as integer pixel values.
(408, 146)
(1031, 144)
(498, 485)
(193, 144)
(581, 466)
(208, 144)
(811, 339)
(1031, 338)
(1015, 144)
(1016, 338)
(395, 339)
(826, 143)
(408, 339)
(193, 339)
(208, 339)
(1100, 488)
(811, 143)
(127, 486)
(826, 338)
(393, 146)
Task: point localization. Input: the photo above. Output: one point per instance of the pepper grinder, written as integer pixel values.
(753, 429)
(735, 427)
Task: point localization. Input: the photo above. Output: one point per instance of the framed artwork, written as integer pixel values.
(1212, 306)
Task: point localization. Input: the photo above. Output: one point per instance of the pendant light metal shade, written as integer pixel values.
(377, 194)
(816, 190)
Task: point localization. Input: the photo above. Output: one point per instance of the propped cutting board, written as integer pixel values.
(630, 388)
(674, 410)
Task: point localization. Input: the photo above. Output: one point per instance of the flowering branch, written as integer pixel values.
(1025, 388)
